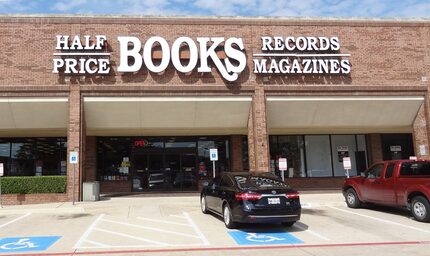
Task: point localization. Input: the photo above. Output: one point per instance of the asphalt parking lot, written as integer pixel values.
(175, 226)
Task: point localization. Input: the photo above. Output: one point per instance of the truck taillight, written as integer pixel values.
(294, 195)
(247, 196)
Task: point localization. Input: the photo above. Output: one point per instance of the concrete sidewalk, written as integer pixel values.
(125, 202)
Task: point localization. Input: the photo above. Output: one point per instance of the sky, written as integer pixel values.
(284, 8)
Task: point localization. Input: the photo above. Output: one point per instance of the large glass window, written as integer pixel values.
(33, 156)
(163, 163)
(317, 155)
(291, 148)
(343, 146)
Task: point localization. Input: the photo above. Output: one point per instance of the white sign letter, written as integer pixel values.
(176, 48)
(147, 54)
(125, 53)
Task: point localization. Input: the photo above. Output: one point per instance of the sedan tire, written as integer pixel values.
(288, 224)
(204, 204)
(228, 219)
(352, 200)
(420, 208)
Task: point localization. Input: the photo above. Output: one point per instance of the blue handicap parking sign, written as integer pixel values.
(269, 238)
(27, 244)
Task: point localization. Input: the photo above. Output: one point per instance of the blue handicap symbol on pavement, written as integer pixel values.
(253, 238)
(27, 244)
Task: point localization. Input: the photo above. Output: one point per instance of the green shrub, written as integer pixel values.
(33, 184)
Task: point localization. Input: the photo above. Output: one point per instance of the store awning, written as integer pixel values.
(166, 115)
(33, 116)
(343, 114)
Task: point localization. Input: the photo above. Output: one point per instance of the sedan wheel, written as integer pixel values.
(228, 221)
(203, 205)
(420, 209)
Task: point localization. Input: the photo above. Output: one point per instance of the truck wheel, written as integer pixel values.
(420, 208)
(351, 198)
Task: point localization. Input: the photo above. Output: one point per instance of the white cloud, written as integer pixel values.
(321, 8)
(67, 6)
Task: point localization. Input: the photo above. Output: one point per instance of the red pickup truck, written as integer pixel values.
(401, 183)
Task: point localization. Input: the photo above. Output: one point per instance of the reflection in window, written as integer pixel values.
(291, 148)
(34, 156)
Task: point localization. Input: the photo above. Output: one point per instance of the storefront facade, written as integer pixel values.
(143, 100)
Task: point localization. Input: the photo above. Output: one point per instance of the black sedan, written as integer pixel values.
(245, 197)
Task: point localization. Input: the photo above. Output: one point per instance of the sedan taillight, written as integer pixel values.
(294, 195)
(247, 196)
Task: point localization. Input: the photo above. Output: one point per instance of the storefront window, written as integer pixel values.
(245, 156)
(291, 148)
(160, 163)
(33, 156)
(317, 155)
(343, 146)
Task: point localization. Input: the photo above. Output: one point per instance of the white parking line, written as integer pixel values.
(88, 232)
(196, 229)
(129, 236)
(177, 216)
(301, 227)
(153, 229)
(14, 220)
(97, 243)
(381, 220)
(163, 221)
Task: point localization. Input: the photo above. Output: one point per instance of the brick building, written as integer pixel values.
(359, 90)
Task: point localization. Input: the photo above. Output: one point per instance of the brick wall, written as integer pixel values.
(375, 148)
(115, 186)
(90, 167)
(236, 153)
(17, 199)
(387, 57)
(316, 183)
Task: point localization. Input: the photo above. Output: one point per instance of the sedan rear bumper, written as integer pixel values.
(253, 218)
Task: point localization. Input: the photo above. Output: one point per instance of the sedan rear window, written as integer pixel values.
(415, 169)
(245, 182)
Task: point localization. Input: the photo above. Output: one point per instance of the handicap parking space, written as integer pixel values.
(177, 223)
(142, 232)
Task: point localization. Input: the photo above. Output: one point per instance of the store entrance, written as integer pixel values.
(167, 171)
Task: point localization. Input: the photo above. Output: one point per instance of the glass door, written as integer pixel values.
(156, 178)
(188, 174)
(139, 170)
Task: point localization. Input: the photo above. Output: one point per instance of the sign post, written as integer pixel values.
(347, 165)
(1, 174)
(283, 167)
(213, 153)
(73, 160)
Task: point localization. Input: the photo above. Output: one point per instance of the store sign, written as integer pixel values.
(79, 56)
(213, 154)
(300, 55)
(280, 55)
(347, 163)
(86, 56)
(283, 164)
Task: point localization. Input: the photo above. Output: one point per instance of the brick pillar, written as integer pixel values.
(90, 167)
(74, 141)
(420, 134)
(251, 148)
(260, 134)
(236, 153)
(375, 147)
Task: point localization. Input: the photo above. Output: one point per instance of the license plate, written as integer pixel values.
(275, 200)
